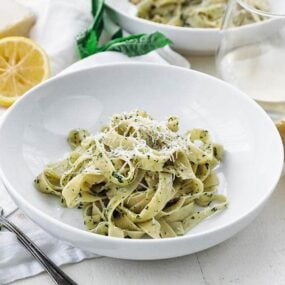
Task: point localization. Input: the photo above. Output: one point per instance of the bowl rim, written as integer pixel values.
(84, 233)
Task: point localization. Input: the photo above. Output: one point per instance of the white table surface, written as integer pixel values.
(254, 256)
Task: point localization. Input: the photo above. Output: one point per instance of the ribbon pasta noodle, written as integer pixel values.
(196, 13)
(138, 177)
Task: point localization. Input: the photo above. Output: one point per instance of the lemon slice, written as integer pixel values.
(23, 64)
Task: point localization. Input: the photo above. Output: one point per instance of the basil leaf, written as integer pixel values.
(97, 7)
(97, 12)
(136, 45)
(133, 45)
(87, 41)
(117, 34)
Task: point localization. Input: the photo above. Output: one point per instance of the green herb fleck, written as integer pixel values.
(117, 176)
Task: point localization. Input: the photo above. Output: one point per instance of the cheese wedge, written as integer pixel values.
(15, 19)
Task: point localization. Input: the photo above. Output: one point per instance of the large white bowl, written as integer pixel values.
(34, 133)
(204, 41)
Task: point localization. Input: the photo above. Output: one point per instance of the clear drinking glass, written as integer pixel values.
(251, 55)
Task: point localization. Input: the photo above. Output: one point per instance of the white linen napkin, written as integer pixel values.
(58, 23)
(16, 263)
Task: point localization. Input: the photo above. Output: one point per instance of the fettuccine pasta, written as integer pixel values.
(196, 13)
(138, 177)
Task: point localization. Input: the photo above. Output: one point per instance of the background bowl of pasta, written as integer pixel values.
(193, 26)
(34, 135)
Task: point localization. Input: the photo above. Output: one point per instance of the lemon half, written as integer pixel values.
(23, 64)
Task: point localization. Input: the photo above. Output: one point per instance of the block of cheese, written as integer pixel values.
(15, 19)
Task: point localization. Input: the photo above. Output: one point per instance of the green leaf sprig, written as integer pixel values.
(133, 45)
(87, 41)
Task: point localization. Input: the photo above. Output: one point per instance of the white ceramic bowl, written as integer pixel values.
(34, 133)
(203, 41)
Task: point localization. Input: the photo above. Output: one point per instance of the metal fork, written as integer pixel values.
(56, 274)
